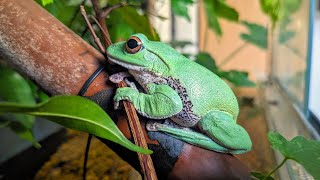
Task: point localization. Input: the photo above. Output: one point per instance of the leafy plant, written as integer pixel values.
(303, 151)
(237, 78)
(16, 89)
(77, 113)
(219, 9)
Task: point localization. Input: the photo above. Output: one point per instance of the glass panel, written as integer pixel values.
(290, 42)
(314, 95)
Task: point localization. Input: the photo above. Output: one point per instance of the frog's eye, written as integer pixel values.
(133, 45)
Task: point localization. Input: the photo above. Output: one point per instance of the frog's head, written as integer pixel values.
(140, 54)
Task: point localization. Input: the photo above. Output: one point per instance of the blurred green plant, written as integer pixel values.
(14, 88)
(303, 151)
(77, 113)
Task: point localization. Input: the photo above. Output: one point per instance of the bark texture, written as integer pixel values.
(39, 46)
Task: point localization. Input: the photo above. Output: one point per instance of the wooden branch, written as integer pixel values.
(102, 21)
(138, 136)
(107, 10)
(135, 126)
(95, 37)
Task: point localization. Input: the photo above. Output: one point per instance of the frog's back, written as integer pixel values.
(206, 90)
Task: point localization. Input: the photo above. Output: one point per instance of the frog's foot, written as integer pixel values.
(118, 77)
(187, 135)
(222, 128)
(125, 93)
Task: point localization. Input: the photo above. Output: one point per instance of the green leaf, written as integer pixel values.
(45, 2)
(272, 9)
(4, 122)
(206, 60)
(237, 78)
(14, 88)
(76, 113)
(261, 176)
(257, 34)
(225, 11)
(24, 133)
(305, 152)
(126, 21)
(180, 8)
(284, 33)
(219, 9)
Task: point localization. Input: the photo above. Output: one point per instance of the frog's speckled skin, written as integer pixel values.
(184, 91)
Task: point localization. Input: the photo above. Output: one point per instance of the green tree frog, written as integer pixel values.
(182, 90)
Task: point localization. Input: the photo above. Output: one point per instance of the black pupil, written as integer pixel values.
(132, 43)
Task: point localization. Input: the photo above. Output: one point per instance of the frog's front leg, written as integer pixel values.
(160, 102)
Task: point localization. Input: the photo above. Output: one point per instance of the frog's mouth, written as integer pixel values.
(124, 64)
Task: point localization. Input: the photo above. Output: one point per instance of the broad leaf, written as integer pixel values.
(305, 152)
(206, 60)
(261, 176)
(237, 78)
(219, 9)
(126, 21)
(272, 9)
(180, 8)
(257, 34)
(16, 89)
(284, 33)
(45, 2)
(23, 133)
(76, 113)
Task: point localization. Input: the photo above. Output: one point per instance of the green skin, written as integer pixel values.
(184, 91)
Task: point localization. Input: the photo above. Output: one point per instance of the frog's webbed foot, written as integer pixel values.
(222, 128)
(187, 135)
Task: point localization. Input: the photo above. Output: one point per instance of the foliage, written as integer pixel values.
(180, 8)
(237, 78)
(219, 9)
(278, 9)
(45, 2)
(257, 34)
(126, 21)
(16, 89)
(76, 113)
(303, 151)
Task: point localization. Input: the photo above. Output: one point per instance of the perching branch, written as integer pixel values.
(137, 133)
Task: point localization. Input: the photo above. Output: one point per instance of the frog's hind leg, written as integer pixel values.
(187, 135)
(222, 128)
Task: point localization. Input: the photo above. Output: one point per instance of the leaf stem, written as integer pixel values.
(231, 55)
(275, 169)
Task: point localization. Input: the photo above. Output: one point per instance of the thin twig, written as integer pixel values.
(96, 39)
(102, 31)
(232, 54)
(107, 10)
(137, 133)
(102, 22)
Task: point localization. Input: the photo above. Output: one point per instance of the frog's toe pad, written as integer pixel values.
(118, 77)
(152, 126)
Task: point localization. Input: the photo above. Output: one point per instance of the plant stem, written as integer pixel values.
(275, 169)
(231, 55)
